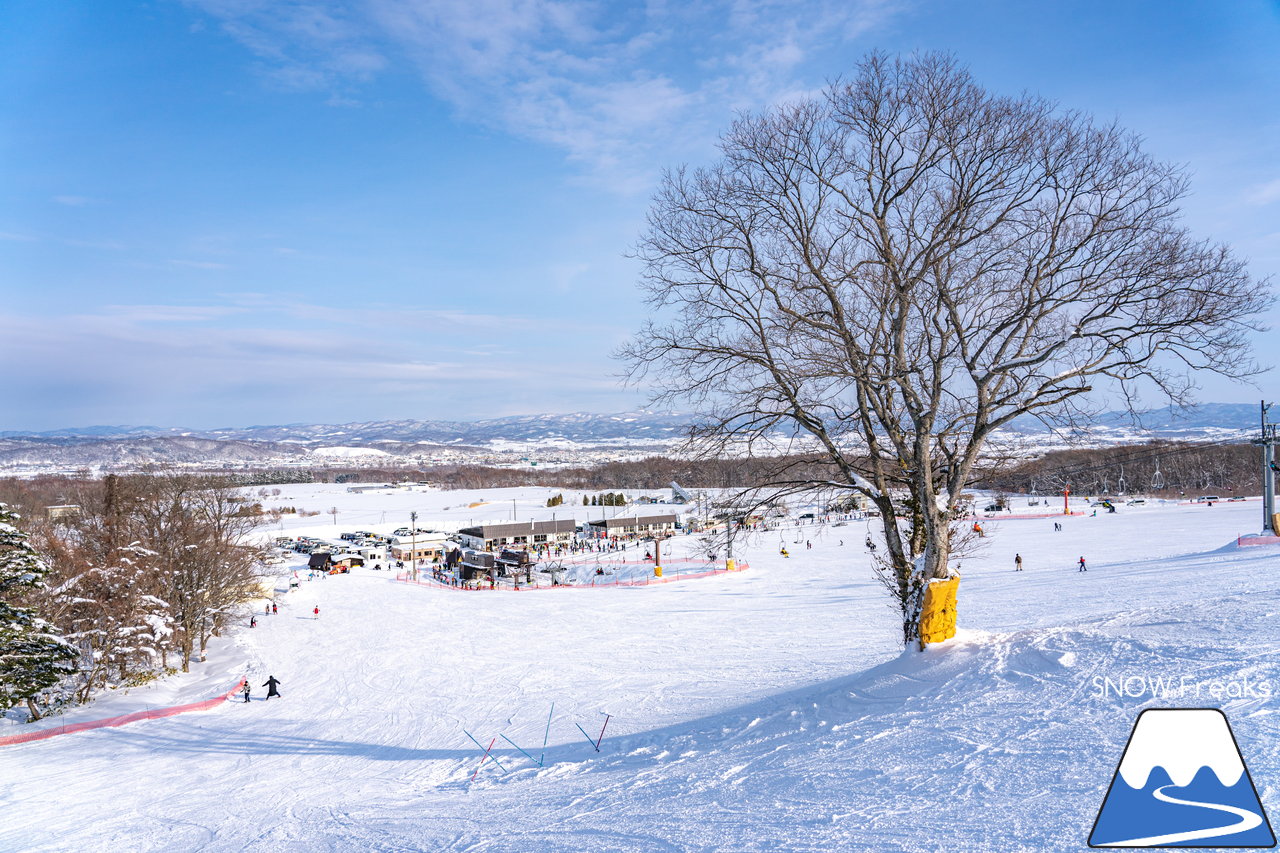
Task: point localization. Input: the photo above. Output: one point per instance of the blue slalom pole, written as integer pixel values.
(513, 743)
(585, 735)
(546, 735)
(485, 751)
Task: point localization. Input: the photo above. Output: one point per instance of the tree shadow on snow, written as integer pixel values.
(243, 743)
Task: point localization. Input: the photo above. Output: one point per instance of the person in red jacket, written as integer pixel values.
(317, 611)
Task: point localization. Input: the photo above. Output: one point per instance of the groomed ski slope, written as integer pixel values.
(767, 710)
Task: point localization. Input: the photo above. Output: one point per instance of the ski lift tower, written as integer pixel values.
(1269, 439)
(679, 495)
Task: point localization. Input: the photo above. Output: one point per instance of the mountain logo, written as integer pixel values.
(1182, 782)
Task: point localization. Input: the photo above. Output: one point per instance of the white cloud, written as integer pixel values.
(73, 200)
(620, 88)
(199, 265)
(248, 351)
(1263, 194)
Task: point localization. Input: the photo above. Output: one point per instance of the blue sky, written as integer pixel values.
(228, 212)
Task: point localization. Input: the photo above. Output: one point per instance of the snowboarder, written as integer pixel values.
(273, 608)
(246, 690)
(1082, 568)
(271, 684)
(253, 621)
(316, 611)
(808, 545)
(871, 546)
(1017, 562)
(1057, 527)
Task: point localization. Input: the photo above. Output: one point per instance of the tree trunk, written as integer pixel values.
(33, 708)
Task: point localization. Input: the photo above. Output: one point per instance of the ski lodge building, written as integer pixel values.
(490, 537)
(423, 549)
(633, 526)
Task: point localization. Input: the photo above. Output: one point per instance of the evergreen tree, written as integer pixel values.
(585, 502)
(32, 654)
(593, 501)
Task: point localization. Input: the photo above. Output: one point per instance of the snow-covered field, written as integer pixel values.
(765, 710)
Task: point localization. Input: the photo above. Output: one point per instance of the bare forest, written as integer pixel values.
(142, 575)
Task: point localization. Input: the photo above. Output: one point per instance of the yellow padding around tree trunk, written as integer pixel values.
(938, 616)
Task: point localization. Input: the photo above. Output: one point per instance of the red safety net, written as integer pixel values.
(123, 719)
(597, 582)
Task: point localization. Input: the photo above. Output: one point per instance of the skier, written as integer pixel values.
(253, 621)
(1057, 527)
(267, 608)
(1017, 562)
(1082, 568)
(273, 608)
(271, 684)
(246, 690)
(316, 612)
(808, 546)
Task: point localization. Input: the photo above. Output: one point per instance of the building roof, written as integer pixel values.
(422, 545)
(520, 528)
(634, 521)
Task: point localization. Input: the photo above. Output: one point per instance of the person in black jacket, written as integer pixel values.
(271, 684)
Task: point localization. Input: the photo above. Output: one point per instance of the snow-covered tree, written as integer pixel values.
(33, 655)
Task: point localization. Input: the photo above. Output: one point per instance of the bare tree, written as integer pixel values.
(195, 528)
(905, 264)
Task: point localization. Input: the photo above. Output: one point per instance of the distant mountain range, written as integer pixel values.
(576, 427)
(298, 443)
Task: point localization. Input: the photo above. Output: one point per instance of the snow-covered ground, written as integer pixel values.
(765, 710)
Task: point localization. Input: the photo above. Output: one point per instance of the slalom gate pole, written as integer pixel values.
(588, 737)
(513, 743)
(481, 764)
(607, 717)
(546, 734)
(486, 754)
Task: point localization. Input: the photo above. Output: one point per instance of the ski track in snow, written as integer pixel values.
(770, 710)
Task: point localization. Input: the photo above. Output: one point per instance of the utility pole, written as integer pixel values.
(413, 543)
(1268, 439)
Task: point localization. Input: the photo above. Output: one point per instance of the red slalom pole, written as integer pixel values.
(486, 755)
(602, 728)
